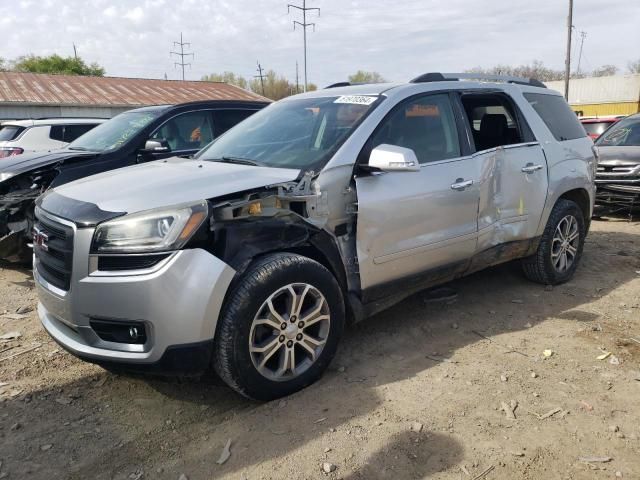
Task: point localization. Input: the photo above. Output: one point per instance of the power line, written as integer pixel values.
(583, 35)
(181, 54)
(260, 76)
(304, 9)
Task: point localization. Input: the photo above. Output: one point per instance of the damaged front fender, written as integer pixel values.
(17, 200)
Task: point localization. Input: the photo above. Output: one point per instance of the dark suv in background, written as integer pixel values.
(135, 136)
(618, 177)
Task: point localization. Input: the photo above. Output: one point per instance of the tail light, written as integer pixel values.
(10, 151)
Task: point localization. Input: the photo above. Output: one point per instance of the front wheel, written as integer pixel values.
(280, 327)
(560, 248)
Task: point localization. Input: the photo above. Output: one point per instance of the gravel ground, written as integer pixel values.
(460, 389)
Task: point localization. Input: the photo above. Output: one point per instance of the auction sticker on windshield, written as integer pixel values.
(356, 99)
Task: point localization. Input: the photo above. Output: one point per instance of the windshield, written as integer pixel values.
(299, 134)
(625, 133)
(114, 133)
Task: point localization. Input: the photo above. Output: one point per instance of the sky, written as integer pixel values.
(398, 38)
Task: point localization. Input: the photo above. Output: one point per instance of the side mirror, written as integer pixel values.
(391, 158)
(158, 145)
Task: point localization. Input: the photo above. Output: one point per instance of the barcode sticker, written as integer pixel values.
(356, 99)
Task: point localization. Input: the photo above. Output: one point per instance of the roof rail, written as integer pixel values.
(339, 84)
(445, 77)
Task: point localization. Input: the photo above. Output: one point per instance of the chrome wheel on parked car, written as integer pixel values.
(289, 331)
(565, 243)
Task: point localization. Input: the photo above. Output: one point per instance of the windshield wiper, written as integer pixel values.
(238, 160)
(81, 149)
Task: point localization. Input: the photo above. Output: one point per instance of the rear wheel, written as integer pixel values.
(561, 245)
(280, 327)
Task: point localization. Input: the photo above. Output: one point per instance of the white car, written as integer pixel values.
(20, 136)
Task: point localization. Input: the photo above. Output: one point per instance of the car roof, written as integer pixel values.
(419, 87)
(200, 103)
(52, 121)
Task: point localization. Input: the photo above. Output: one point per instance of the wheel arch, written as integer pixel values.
(581, 197)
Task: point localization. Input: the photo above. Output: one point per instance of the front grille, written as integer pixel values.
(53, 248)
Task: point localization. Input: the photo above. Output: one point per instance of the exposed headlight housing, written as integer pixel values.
(157, 230)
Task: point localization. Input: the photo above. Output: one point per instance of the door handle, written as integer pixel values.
(461, 184)
(530, 168)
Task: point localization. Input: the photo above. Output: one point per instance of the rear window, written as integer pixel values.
(596, 128)
(10, 132)
(557, 116)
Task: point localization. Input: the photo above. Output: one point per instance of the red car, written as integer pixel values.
(595, 126)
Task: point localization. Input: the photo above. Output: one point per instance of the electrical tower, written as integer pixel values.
(260, 76)
(583, 35)
(304, 9)
(181, 54)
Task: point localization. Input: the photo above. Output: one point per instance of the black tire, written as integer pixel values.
(539, 267)
(232, 360)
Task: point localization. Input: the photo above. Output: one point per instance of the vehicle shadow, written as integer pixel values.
(176, 427)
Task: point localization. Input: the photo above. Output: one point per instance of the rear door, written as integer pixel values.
(514, 182)
(418, 223)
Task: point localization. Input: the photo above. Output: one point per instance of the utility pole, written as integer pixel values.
(297, 79)
(260, 76)
(583, 35)
(304, 9)
(75, 52)
(181, 54)
(567, 62)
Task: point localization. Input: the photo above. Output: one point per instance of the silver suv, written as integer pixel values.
(320, 209)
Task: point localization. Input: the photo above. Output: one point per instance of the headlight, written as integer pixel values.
(151, 231)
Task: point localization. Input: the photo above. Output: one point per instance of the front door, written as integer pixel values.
(417, 226)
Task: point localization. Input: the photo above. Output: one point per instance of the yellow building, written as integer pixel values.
(601, 96)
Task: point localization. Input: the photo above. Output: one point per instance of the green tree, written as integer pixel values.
(227, 77)
(56, 64)
(634, 67)
(275, 86)
(605, 71)
(362, 76)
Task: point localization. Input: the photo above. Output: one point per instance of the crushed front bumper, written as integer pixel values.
(176, 304)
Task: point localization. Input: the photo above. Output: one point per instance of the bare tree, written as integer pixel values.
(605, 71)
(634, 66)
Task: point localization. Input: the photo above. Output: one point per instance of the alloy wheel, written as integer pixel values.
(289, 331)
(564, 246)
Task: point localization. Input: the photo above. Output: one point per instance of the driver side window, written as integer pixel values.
(188, 131)
(426, 125)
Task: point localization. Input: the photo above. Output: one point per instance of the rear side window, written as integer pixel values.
(71, 132)
(556, 115)
(223, 120)
(68, 133)
(57, 133)
(10, 132)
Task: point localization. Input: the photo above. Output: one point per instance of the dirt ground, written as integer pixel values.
(415, 392)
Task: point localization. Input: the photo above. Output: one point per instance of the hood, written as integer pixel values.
(619, 155)
(18, 164)
(166, 183)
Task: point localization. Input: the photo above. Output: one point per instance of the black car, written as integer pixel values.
(135, 136)
(618, 176)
